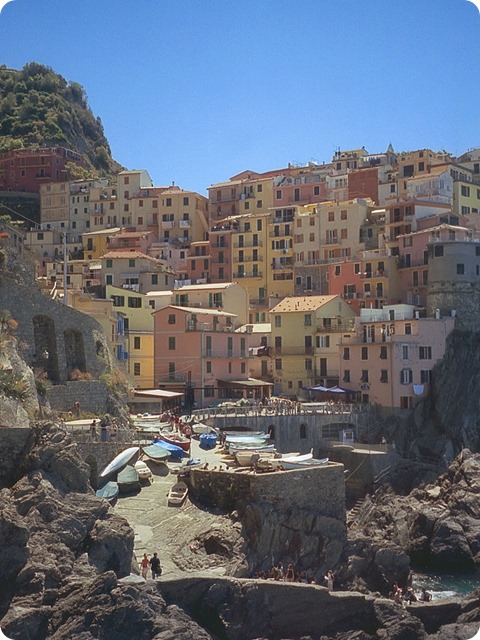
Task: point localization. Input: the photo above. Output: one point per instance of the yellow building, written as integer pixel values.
(95, 243)
(138, 321)
(306, 331)
(280, 253)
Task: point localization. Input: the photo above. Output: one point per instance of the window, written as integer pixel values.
(425, 376)
(118, 301)
(278, 364)
(316, 191)
(406, 376)
(278, 342)
(384, 375)
(406, 402)
(154, 278)
(343, 214)
(172, 318)
(109, 263)
(308, 364)
(438, 250)
(346, 353)
(323, 342)
(460, 269)
(208, 366)
(278, 194)
(404, 352)
(364, 377)
(171, 344)
(168, 202)
(131, 263)
(278, 321)
(331, 216)
(346, 375)
(408, 329)
(259, 204)
(465, 191)
(135, 303)
(307, 320)
(364, 353)
(209, 392)
(136, 368)
(421, 166)
(185, 201)
(136, 342)
(383, 353)
(425, 353)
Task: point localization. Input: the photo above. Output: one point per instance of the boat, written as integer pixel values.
(177, 493)
(246, 437)
(198, 428)
(156, 453)
(109, 491)
(278, 463)
(177, 440)
(128, 480)
(306, 464)
(175, 451)
(144, 472)
(253, 449)
(244, 458)
(119, 461)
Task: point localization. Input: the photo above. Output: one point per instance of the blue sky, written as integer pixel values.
(196, 91)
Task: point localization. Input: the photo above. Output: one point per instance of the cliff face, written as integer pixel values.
(449, 419)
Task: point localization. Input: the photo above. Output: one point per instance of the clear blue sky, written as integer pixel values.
(196, 91)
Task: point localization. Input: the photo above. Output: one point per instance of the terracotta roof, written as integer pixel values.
(200, 311)
(110, 255)
(302, 303)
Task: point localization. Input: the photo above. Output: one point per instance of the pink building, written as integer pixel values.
(199, 349)
(390, 357)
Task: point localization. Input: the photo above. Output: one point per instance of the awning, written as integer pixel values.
(331, 389)
(156, 393)
(250, 382)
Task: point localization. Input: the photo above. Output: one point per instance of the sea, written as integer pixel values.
(442, 585)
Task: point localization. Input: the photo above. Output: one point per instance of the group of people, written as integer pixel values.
(108, 429)
(407, 596)
(152, 564)
(289, 574)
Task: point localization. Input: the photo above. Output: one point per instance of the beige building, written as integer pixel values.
(136, 271)
(306, 331)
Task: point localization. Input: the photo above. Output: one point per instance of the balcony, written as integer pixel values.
(185, 224)
(258, 302)
(247, 244)
(336, 327)
(167, 224)
(179, 378)
(248, 274)
(224, 353)
(374, 274)
(247, 259)
(208, 326)
(293, 351)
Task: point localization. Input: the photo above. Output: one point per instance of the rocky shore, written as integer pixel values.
(66, 559)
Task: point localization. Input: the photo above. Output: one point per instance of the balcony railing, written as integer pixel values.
(248, 274)
(293, 351)
(209, 327)
(224, 353)
(248, 259)
(246, 244)
(174, 377)
(336, 327)
(185, 224)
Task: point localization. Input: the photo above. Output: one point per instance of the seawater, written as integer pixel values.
(446, 585)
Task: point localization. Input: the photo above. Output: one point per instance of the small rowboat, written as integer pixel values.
(128, 480)
(108, 492)
(279, 463)
(156, 453)
(119, 461)
(244, 458)
(266, 447)
(177, 440)
(306, 464)
(177, 493)
(198, 428)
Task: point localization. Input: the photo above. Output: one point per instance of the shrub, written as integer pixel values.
(12, 384)
(76, 375)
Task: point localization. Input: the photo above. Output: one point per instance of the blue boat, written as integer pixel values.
(109, 491)
(175, 452)
(156, 452)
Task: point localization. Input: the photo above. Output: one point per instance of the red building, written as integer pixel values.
(27, 169)
(363, 184)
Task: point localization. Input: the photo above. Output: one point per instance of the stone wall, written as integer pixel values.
(461, 298)
(288, 489)
(93, 396)
(14, 442)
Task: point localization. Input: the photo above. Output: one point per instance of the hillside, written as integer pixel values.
(39, 107)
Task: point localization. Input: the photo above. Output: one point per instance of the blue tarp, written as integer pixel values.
(208, 441)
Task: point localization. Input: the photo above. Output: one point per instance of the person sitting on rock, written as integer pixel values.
(290, 574)
(279, 571)
(330, 579)
(409, 596)
(424, 595)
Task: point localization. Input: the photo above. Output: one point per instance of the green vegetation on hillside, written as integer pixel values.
(39, 107)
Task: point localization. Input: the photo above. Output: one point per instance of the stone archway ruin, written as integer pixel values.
(46, 356)
(74, 350)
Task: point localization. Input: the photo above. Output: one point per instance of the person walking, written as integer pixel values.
(155, 566)
(145, 564)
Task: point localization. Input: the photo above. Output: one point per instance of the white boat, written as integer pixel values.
(244, 458)
(119, 461)
(177, 493)
(247, 437)
(198, 428)
(306, 464)
(143, 470)
(278, 463)
(252, 449)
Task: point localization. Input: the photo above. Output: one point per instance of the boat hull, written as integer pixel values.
(119, 461)
(128, 480)
(109, 491)
(177, 494)
(183, 443)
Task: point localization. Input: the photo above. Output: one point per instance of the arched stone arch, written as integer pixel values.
(74, 350)
(46, 356)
